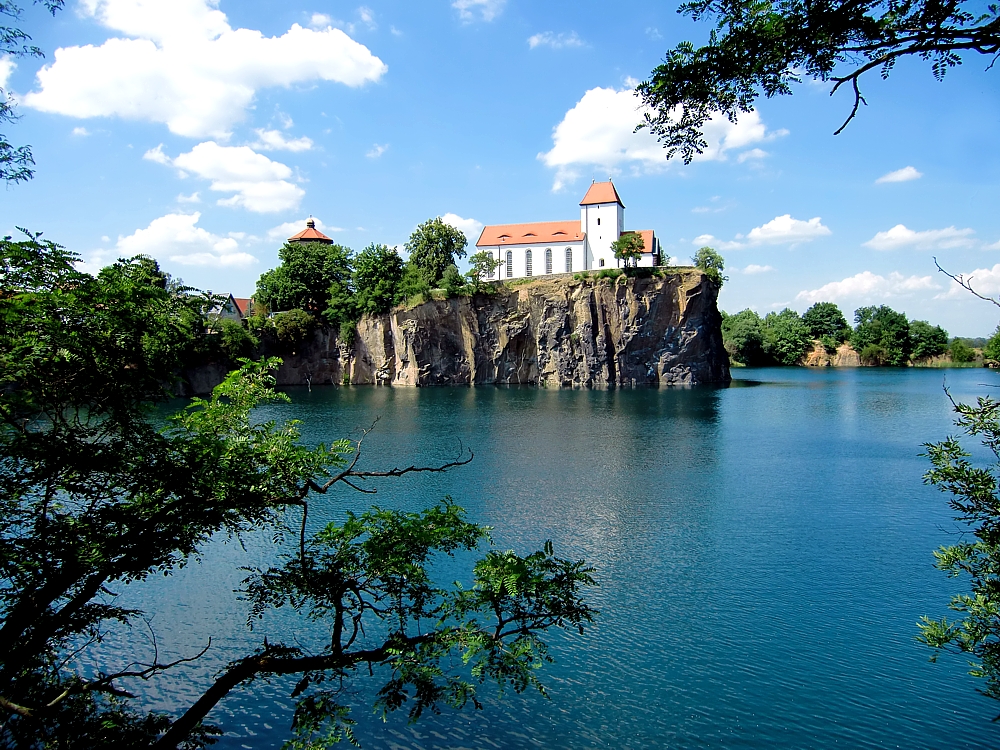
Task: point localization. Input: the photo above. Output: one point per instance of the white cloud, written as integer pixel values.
(320, 21)
(781, 230)
(175, 238)
(290, 228)
(469, 227)
(488, 9)
(653, 33)
(367, 16)
(7, 67)
(82, 132)
(555, 41)
(900, 175)
(181, 64)
(867, 286)
(599, 131)
(930, 239)
(193, 198)
(753, 269)
(260, 184)
(274, 140)
(983, 280)
(377, 150)
(753, 154)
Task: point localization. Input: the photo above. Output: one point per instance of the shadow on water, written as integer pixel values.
(763, 553)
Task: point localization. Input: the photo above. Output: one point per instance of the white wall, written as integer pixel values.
(603, 223)
(518, 253)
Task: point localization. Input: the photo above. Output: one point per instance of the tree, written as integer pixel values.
(628, 248)
(826, 319)
(786, 337)
(975, 499)
(763, 48)
(961, 352)
(235, 340)
(743, 337)
(378, 270)
(482, 265)
(881, 336)
(709, 261)
(992, 348)
(927, 340)
(16, 162)
(97, 490)
(452, 282)
(433, 247)
(311, 274)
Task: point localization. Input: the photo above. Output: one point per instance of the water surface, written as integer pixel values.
(763, 552)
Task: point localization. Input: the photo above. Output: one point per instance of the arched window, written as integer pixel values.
(598, 221)
(548, 260)
(569, 260)
(602, 263)
(527, 263)
(510, 264)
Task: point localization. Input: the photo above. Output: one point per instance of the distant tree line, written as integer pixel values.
(880, 335)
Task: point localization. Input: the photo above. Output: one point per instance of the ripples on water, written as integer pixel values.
(763, 553)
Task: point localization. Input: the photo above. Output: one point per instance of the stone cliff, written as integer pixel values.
(552, 331)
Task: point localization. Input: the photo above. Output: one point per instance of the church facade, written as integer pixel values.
(548, 247)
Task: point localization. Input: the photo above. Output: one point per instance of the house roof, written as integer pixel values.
(648, 241)
(602, 192)
(243, 304)
(541, 232)
(311, 234)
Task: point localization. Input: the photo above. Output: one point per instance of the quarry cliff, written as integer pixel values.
(554, 331)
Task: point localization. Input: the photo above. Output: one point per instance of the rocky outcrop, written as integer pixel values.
(845, 356)
(553, 331)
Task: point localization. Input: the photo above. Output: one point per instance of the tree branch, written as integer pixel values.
(965, 283)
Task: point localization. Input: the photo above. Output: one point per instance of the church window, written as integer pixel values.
(548, 260)
(598, 221)
(510, 264)
(527, 263)
(602, 263)
(569, 259)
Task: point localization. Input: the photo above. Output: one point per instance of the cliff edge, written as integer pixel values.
(552, 331)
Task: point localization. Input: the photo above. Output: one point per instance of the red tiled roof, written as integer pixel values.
(243, 303)
(311, 234)
(540, 232)
(602, 192)
(647, 239)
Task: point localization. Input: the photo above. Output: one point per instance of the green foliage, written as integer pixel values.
(628, 248)
(786, 337)
(961, 352)
(433, 247)
(765, 48)
(881, 336)
(709, 261)
(313, 276)
(609, 273)
(413, 283)
(378, 271)
(973, 496)
(743, 337)
(992, 348)
(829, 343)
(16, 162)
(452, 282)
(98, 492)
(826, 319)
(927, 340)
(293, 326)
(236, 341)
(482, 266)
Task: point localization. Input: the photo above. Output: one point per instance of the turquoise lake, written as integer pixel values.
(763, 550)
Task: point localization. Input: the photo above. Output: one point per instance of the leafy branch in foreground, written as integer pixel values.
(764, 47)
(97, 491)
(973, 497)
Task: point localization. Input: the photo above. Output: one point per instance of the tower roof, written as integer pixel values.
(602, 192)
(311, 234)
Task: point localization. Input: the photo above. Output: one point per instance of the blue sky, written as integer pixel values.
(203, 133)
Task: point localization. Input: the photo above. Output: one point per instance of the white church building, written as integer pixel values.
(567, 246)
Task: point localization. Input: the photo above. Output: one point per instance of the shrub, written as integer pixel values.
(961, 352)
(236, 341)
(293, 326)
(874, 355)
(829, 343)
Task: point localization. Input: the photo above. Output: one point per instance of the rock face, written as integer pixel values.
(553, 331)
(845, 356)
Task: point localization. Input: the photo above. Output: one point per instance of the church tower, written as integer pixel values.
(602, 218)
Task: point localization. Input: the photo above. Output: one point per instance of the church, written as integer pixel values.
(546, 247)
